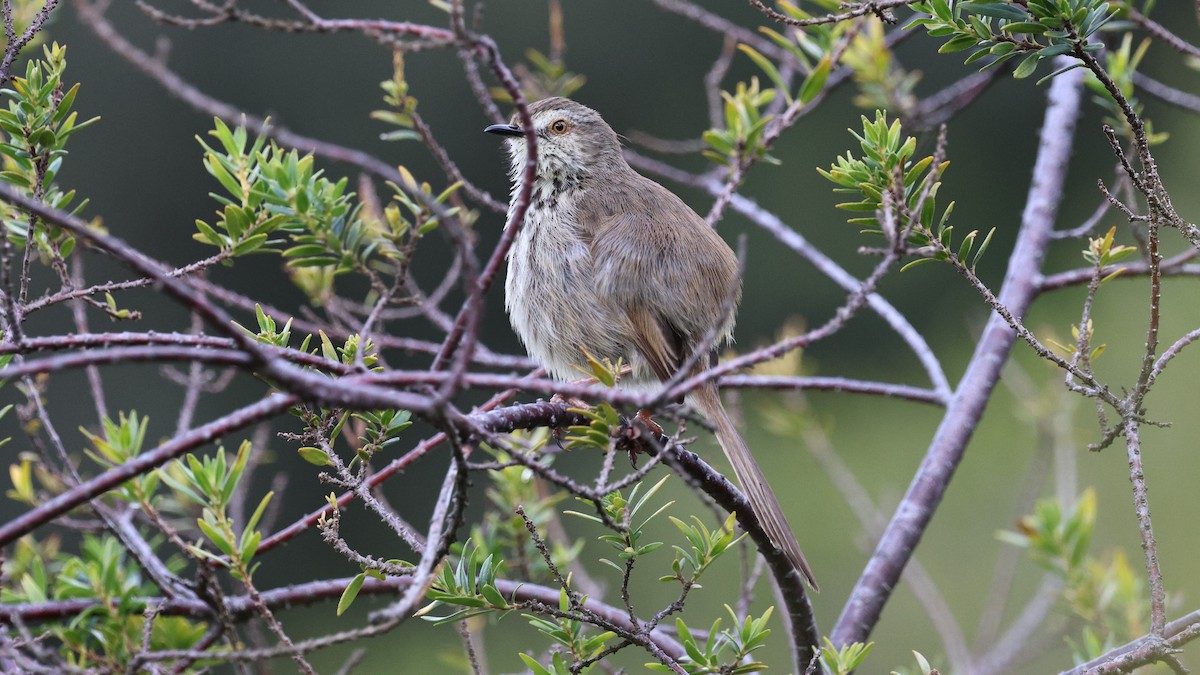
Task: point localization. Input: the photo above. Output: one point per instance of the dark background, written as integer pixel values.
(141, 168)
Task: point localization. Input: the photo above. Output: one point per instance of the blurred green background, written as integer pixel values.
(141, 168)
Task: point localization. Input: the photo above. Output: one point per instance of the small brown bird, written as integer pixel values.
(609, 261)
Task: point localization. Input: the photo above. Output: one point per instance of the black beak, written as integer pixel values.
(505, 130)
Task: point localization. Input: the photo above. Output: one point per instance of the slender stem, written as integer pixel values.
(1141, 507)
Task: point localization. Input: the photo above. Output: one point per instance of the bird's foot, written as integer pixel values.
(570, 401)
(638, 435)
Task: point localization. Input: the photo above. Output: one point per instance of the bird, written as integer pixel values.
(608, 261)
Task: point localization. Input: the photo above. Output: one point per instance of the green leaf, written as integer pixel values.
(493, 595)
(15, 178)
(767, 67)
(1060, 71)
(216, 537)
(1025, 27)
(958, 44)
(315, 262)
(976, 56)
(918, 261)
(815, 82)
(1026, 67)
(250, 244)
(1056, 49)
(998, 10)
(535, 667)
(214, 166)
(350, 593)
(982, 247)
(208, 234)
(258, 512)
(236, 220)
(44, 138)
(858, 206)
(306, 251)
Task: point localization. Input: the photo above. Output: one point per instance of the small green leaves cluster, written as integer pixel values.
(845, 660)
(375, 429)
(603, 424)
(723, 651)
(211, 483)
(495, 542)
(503, 532)
(885, 178)
(122, 441)
(401, 106)
(408, 218)
(353, 352)
(1102, 252)
(1057, 539)
(36, 124)
(706, 546)
(378, 429)
(886, 155)
(272, 191)
(1110, 598)
(603, 420)
(470, 584)
(107, 635)
(1121, 64)
(581, 644)
(269, 332)
(22, 474)
(381, 428)
(1039, 29)
(542, 77)
(276, 200)
(809, 88)
(1108, 595)
(628, 540)
(605, 371)
(883, 83)
(741, 139)
(811, 46)
(1069, 350)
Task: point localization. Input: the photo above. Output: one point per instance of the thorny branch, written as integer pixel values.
(324, 392)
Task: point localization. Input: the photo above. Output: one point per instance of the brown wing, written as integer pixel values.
(658, 343)
(661, 264)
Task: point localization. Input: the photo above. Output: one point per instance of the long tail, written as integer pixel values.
(753, 482)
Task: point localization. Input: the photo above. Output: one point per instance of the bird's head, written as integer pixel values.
(572, 140)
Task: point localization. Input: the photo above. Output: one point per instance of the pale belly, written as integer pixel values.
(553, 305)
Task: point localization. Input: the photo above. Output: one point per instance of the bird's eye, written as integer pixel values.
(559, 127)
